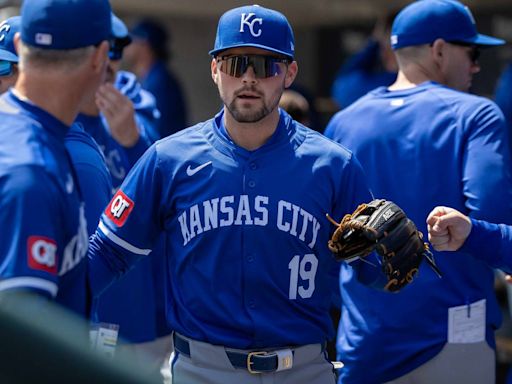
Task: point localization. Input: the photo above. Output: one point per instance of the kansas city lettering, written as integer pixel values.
(244, 210)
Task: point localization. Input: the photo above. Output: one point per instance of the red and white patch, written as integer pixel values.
(42, 254)
(119, 208)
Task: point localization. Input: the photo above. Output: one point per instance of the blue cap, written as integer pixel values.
(424, 21)
(254, 26)
(120, 30)
(65, 24)
(7, 31)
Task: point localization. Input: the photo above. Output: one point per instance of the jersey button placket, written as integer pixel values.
(250, 256)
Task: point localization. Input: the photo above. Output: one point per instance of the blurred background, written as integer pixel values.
(327, 32)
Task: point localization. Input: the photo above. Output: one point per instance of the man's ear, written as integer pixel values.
(100, 56)
(291, 74)
(437, 50)
(16, 42)
(214, 70)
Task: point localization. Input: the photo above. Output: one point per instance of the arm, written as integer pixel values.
(30, 201)
(129, 226)
(450, 230)
(504, 93)
(93, 176)
(486, 179)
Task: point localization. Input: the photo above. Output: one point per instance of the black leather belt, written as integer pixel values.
(254, 362)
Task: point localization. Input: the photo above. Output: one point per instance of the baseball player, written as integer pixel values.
(8, 56)
(44, 234)
(86, 156)
(241, 200)
(424, 141)
(148, 57)
(122, 118)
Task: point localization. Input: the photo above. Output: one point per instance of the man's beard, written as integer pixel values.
(248, 116)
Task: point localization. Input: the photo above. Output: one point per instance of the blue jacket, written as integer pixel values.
(422, 147)
(44, 233)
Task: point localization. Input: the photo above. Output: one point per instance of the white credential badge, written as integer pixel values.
(245, 20)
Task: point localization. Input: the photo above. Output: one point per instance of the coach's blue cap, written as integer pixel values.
(7, 31)
(65, 24)
(424, 21)
(254, 26)
(120, 31)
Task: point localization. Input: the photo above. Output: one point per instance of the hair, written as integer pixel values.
(66, 60)
(410, 54)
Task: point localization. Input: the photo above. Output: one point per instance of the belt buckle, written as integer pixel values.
(250, 362)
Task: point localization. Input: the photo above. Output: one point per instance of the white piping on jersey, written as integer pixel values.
(122, 243)
(30, 282)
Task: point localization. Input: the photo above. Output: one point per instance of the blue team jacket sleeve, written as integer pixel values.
(487, 157)
(491, 243)
(503, 93)
(31, 238)
(129, 226)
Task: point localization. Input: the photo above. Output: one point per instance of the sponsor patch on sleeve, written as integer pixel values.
(42, 254)
(119, 208)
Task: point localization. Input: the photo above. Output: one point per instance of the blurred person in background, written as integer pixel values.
(122, 117)
(296, 105)
(426, 132)
(147, 57)
(373, 66)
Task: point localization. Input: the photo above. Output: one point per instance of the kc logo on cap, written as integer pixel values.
(244, 21)
(254, 26)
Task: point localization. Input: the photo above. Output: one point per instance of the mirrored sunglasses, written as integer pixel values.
(263, 66)
(6, 68)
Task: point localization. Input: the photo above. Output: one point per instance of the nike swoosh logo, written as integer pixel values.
(192, 171)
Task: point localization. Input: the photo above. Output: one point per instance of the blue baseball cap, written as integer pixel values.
(65, 24)
(8, 29)
(119, 29)
(254, 26)
(119, 32)
(120, 38)
(424, 21)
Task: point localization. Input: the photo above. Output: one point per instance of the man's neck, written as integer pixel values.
(251, 136)
(407, 79)
(59, 96)
(90, 108)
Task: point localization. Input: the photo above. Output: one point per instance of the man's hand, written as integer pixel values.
(120, 114)
(448, 229)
